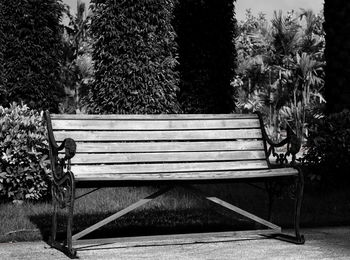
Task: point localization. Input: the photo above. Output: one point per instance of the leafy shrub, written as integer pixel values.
(24, 172)
(328, 146)
(134, 58)
(31, 53)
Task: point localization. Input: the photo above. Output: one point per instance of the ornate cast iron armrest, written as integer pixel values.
(292, 141)
(68, 144)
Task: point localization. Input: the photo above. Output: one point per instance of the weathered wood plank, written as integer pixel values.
(166, 157)
(140, 147)
(152, 117)
(172, 239)
(187, 176)
(168, 167)
(154, 124)
(158, 135)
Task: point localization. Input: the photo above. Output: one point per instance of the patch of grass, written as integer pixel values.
(175, 212)
(16, 224)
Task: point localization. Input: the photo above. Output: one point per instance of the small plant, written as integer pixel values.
(24, 172)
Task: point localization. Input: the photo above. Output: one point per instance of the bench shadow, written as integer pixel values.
(148, 223)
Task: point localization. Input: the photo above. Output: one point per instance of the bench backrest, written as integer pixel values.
(152, 143)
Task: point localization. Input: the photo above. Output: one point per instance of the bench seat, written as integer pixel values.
(106, 173)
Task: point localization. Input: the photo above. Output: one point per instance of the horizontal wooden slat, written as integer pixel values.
(173, 239)
(188, 175)
(157, 135)
(115, 147)
(154, 124)
(167, 167)
(152, 117)
(166, 157)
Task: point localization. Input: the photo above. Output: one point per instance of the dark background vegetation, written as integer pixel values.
(205, 36)
(31, 51)
(336, 26)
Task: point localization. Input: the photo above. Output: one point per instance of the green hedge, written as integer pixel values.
(30, 53)
(24, 165)
(134, 58)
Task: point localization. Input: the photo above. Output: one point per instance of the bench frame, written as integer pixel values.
(64, 186)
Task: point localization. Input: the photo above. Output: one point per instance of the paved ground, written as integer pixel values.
(322, 243)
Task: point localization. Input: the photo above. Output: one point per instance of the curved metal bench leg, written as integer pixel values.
(71, 251)
(63, 197)
(52, 238)
(298, 199)
(298, 238)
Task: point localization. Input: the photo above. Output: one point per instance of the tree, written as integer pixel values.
(337, 53)
(31, 51)
(205, 32)
(135, 55)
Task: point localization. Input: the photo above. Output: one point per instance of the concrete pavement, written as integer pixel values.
(321, 243)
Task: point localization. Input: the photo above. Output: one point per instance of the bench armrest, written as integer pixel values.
(292, 141)
(59, 164)
(68, 144)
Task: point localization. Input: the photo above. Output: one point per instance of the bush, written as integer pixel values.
(31, 53)
(328, 147)
(134, 58)
(24, 172)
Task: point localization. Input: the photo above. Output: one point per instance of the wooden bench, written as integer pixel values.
(170, 150)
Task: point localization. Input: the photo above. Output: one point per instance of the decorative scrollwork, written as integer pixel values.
(63, 189)
(62, 195)
(281, 158)
(293, 143)
(62, 183)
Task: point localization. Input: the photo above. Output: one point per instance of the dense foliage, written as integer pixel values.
(329, 146)
(205, 31)
(24, 172)
(337, 23)
(30, 52)
(134, 58)
(280, 68)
